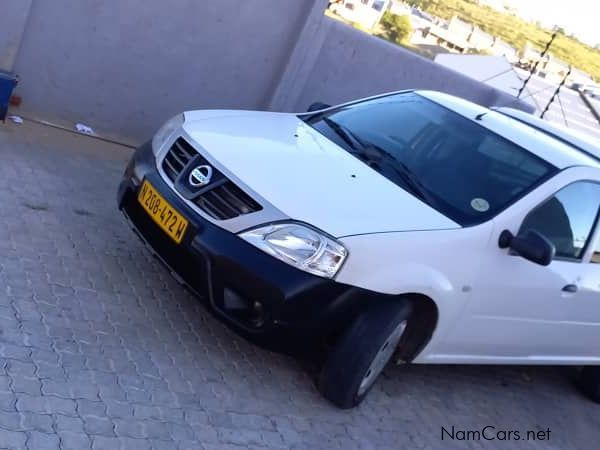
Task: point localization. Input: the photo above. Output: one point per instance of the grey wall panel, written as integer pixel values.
(125, 66)
(13, 17)
(352, 64)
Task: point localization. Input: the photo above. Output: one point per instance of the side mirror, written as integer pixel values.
(318, 106)
(531, 245)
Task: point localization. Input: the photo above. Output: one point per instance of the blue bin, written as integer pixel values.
(8, 81)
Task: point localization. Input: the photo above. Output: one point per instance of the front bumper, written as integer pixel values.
(263, 299)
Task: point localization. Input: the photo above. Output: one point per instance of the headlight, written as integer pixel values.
(166, 131)
(299, 246)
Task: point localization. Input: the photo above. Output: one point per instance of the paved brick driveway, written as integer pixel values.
(100, 348)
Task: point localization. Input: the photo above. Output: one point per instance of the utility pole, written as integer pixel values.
(562, 83)
(534, 68)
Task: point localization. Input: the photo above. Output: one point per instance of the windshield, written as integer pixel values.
(458, 167)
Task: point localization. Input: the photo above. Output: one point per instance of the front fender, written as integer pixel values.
(439, 264)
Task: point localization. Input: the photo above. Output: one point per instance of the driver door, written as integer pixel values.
(521, 311)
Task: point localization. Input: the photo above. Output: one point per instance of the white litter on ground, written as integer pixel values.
(15, 119)
(84, 128)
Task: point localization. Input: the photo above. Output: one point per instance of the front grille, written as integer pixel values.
(226, 202)
(222, 199)
(177, 158)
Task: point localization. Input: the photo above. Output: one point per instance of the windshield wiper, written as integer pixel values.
(347, 135)
(407, 176)
(413, 183)
(366, 151)
(358, 147)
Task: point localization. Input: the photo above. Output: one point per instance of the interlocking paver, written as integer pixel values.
(14, 352)
(7, 401)
(119, 410)
(240, 437)
(181, 432)
(26, 385)
(57, 405)
(19, 369)
(163, 445)
(135, 444)
(100, 348)
(58, 388)
(12, 440)
(91, 408)
(157, 430)
(146, 412)
(42, 441)
(252, 422)
(130, 428)
(105, 443)
(37, 422)
(31, 403)
(66, 423)
(74, 441)
(10, 420)
(101, 426)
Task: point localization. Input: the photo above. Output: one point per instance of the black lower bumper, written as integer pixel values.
(263, 299)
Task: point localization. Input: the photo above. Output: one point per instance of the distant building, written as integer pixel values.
(366, 13)
(553, 68)
(481, 40)
(460, 29)
(400, 8)
(583, 79)
(436, 32)
(421, 20)
(442, 37)
(501, 48)
(530, 55)
(416, 12)
(549, 67)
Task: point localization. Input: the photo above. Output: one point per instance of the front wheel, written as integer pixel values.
(362, 353)
(590, 382)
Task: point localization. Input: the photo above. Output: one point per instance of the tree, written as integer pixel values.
(397, 29)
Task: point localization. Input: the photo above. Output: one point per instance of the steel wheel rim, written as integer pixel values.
(385, 353)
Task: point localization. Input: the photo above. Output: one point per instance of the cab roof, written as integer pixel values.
(555, 149)
(576, 139)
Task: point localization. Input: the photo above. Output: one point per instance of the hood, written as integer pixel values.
(308, 177)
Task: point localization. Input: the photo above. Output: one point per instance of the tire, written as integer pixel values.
(362, 352)
(590, 382)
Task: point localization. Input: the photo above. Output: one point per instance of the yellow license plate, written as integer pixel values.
(162, 213)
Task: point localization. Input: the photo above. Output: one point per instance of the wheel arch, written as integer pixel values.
(421, 326)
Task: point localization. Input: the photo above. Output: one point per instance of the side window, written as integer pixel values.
(568, 218)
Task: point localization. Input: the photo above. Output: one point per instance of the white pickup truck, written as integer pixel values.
(412, 226)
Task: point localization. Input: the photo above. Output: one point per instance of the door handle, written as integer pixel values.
(571, 288)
